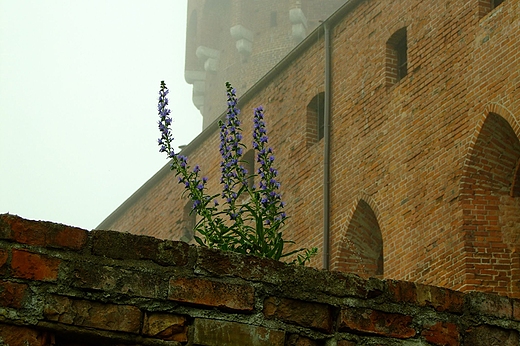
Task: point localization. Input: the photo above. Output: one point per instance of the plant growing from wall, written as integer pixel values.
(248, 219)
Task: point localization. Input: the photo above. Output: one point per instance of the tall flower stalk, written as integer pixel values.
(251, 225)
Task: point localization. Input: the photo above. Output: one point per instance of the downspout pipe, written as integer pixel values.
(326, 150)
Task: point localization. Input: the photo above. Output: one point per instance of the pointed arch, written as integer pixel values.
(362, 246)
(491, 213)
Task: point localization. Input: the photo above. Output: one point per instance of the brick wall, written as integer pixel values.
(432, 159)
(62, 285)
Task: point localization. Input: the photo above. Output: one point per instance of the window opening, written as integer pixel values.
(316, 119)
(396, 57)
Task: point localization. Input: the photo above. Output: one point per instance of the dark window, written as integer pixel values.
(402, 59)
(396, 57)
(316, 119)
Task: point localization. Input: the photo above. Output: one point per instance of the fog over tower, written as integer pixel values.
(241, 40)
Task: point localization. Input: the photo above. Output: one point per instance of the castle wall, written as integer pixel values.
(425, 166)
(61, 285)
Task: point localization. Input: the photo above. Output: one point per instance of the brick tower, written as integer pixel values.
(241, 40)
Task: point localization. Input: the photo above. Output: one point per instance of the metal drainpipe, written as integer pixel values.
(326, 153)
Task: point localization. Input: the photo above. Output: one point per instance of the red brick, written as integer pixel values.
(32, 266)
(42, 233)
(12, 294)
(402, 291)
(442, 334)
(208, 293)
(376, 322)
(306, 314)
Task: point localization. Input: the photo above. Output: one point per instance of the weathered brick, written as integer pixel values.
(42, 233)
(223, 333)
(121, 245)
(33, 266)
(84, 313)
(516, 309)
(136, 282)
(306, 314)
(4, 256)
(489, 304)
(402, 291)
(229, 263)
(490, 335)
(441, 299)
(24, 336)
(208, 293)
(442, 334)
(12, 294)
(166, 327)
(376, 322)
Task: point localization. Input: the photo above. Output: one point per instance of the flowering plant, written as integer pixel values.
(249, 219)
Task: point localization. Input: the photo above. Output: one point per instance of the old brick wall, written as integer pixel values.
(423, 169)
(61, 285)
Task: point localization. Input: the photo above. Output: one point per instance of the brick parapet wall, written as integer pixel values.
(67, 286)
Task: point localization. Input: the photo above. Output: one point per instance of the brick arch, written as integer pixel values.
(361, 248)
(491, 216)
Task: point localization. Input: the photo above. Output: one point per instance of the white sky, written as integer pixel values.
(78, 103)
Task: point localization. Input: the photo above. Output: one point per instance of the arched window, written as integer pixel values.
(396, 57)
(363, 251)
(316, 119)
